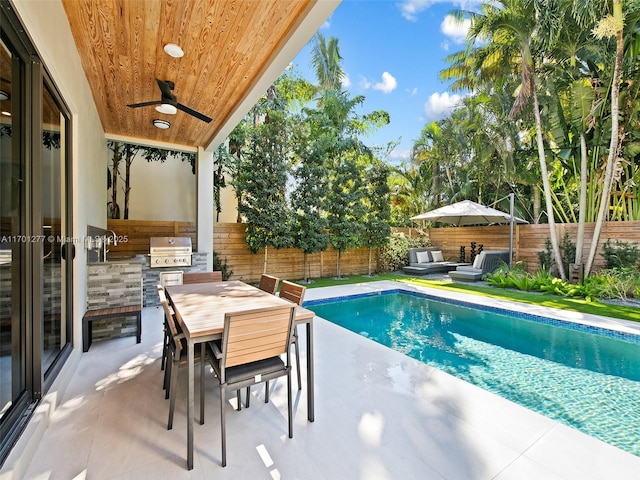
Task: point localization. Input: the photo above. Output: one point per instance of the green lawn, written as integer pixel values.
(574, 304)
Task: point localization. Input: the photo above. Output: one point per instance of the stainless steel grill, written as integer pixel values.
(170, 251)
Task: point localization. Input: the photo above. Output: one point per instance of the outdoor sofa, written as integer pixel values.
(486, 262)
(426, 260)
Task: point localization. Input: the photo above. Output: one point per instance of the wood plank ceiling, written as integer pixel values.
(228, 44)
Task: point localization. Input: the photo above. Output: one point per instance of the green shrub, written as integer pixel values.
(622, 254)
(221, 265)
(545, 257)
(395, 254)
(616, 283)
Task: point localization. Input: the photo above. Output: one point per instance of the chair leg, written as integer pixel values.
(167, 376)
(248, 397)
(297, 347)
(223, 431)
(289, 406)
(172, 395)
(202, 383)
(238, 400)
(266, 391)
(165, 348)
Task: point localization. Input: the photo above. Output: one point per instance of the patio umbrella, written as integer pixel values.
(467, 212)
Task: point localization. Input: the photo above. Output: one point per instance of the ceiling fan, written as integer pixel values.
(169, 102)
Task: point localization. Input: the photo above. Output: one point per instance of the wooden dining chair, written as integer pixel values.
(268, 283)
(294, 293)
(250, 352)
(176, 358)
(202, 277)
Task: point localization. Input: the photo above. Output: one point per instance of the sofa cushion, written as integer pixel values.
(477, 262)
(423, 257)
(437, 256)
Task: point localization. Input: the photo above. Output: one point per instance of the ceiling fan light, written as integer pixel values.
(4, 95)
(173, 50)
(161, 124)
(167, 108)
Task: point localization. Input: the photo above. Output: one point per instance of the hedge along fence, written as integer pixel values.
(229, 243)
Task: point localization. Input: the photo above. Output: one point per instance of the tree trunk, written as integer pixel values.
(370, 255)
(546, 186)
(114, 180)
(127, 179)
(613, 146)
(338, 265)
(305, 272)
(536, 205)
(264, 266)
(582, 209)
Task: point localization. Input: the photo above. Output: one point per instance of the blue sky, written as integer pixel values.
(393, 52)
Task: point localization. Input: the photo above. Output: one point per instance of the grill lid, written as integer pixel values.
(169, 245)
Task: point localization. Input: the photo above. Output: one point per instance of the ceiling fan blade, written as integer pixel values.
(192, 112)
(144, 104)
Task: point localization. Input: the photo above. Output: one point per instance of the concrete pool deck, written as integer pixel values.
(379, 415)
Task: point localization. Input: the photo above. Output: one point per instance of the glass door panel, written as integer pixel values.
(12, 240)
(52, 230)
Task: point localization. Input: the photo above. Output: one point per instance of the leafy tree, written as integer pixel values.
(261, 177)
(345, 209)
(308, 199)
(376, 228)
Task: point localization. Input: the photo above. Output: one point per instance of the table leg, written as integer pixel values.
(190, 404)
(310, 379)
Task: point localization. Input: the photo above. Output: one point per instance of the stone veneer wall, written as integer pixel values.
(114, 284)
(152, 276)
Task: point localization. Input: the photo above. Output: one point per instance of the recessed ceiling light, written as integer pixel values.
(5, 113)
(162, 124)
(4, 95)
(173, 50)
(167, 108)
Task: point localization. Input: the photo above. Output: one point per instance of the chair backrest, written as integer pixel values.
(292, 292)
(202, 277)
(254, 335)
(269, 284)
(493, 259)
(170, 320)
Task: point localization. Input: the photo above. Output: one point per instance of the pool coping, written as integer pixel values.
(624, 327)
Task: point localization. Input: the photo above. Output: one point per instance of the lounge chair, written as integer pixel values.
(428, 260)
(486, 262)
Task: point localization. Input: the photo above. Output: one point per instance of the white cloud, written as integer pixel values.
(410, 9)
(388, 83)
(440, 105)
(399, 155)
(346, 81)
(364, 83)
(412, 91)
(456, 31)
(325, 25)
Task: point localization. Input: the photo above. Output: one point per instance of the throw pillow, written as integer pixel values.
(423, 257)
(477, 262)
(437, 256)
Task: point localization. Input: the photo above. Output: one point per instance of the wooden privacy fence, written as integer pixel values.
(528, 240)
(229, 243)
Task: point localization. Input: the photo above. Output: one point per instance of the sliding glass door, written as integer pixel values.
(36, 295)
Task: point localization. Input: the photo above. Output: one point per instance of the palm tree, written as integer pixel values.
(326, 62)
(509, 28)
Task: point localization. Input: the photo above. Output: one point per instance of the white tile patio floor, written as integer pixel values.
(379, 415)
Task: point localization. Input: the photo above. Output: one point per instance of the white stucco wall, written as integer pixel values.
(48, 27)
(159, 191)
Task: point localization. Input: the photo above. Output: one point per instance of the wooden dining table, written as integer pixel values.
(200, 309)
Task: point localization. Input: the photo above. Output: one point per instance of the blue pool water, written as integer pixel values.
(565, 371)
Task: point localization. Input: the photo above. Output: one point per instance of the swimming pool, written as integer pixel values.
(585, 377)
